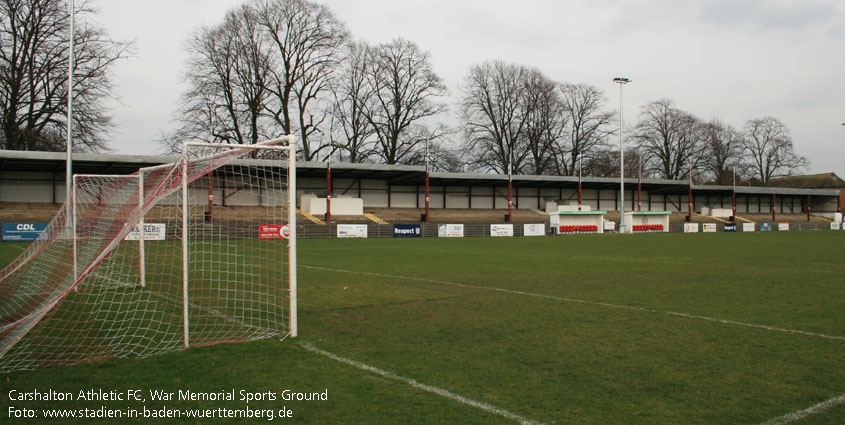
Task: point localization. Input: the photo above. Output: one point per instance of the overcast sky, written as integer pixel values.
(726, 59)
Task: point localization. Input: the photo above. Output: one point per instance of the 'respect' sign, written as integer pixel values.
(407, 231)
(22, 231)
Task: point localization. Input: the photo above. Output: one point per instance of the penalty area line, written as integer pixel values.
(597, 303)
(489, 408)
(801, 414)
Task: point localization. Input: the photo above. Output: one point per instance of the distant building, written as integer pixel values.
(813, 181)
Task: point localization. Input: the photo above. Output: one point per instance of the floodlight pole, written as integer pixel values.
(69, 147)
(142, 258)
(621, 81)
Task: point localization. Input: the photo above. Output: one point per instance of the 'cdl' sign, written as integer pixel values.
(22, 231)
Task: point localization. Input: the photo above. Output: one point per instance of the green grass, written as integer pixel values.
(558, 330)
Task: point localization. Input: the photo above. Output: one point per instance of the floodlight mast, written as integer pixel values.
(69, 144)
(621, 81)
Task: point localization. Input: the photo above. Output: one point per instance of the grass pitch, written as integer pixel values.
(638, 329)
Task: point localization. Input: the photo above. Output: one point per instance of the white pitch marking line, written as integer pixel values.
(575, 300)
(801, 414)
(22, 248)
(425, 387)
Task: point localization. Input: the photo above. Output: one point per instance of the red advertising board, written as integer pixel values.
(273, 231)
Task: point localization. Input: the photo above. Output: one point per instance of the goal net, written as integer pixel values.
(198, 252)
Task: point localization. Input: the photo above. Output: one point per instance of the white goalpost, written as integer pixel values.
(197, 271)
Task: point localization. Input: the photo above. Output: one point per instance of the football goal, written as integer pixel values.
(197, 252)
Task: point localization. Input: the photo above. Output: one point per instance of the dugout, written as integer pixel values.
(574, 221)
(647, 221)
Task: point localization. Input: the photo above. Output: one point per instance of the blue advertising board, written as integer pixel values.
(765, 227)
(730, 227)
(407, 231)
(21, 231)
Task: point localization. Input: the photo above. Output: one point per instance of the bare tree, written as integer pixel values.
(492, 116)
(589, 126)
(669, 139)
(228, 72)
(33, 76)
(545, 121)
(306, 39)
(724, 148)
(605, 163)
(351, 132)
(443, 156)
(405, 90)
(769, 145)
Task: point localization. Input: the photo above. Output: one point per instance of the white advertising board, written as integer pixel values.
(152, 232)
(690, 227)
(835, 226)
(501, 230)
(450, 230)
(351, 230)
(783, 226)
(709, 228)
(610, 225)
(534, 229)
(747, 227)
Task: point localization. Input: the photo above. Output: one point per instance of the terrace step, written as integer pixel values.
(743, 219)
(312, 218)
(372, 217)
(711, 217)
